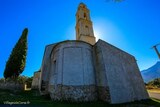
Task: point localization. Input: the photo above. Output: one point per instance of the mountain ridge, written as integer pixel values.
(151, 73)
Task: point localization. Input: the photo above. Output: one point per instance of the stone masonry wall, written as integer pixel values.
(120, 74)
(73, 93)
(11, 86)
(45, 70)
(35, 81)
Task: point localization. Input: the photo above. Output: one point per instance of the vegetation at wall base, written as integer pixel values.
(154, 84)
(34, 98)
(20, 79)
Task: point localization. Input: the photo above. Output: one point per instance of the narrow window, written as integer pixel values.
(87, 30)
(78, 31)
(85, 17)
(54, 67)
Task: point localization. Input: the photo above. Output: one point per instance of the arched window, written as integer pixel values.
(85, 16)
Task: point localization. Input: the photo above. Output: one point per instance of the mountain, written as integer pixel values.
(151, 73)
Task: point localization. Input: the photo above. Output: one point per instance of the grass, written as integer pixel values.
(34, 98)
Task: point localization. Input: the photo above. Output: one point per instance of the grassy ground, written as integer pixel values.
(33, 98)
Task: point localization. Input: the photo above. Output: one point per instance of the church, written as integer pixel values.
(84, 70)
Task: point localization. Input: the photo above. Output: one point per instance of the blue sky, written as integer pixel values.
(132, 25)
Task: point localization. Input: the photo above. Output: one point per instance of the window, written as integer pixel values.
(86, 27)
(85, 17)
(87, 30)
(54, 67)
(78, 31)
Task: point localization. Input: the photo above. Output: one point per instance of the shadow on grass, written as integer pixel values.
(34, 98)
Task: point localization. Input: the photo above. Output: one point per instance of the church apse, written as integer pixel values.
(72, 73)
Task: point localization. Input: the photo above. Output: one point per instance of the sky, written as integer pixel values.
(131, 25)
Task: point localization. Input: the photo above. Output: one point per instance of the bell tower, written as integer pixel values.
(84, 28)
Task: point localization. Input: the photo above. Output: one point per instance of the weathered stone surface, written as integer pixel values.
(118, 70)
(11, 85)
(72, 58)
(103, 93)
(73, 93)
(36, 79)
(45, 70)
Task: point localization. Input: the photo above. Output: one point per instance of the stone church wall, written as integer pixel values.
(101, 77)
(78, 71)
(36, 79)
(45, 70)
(9, 85)
(118, 70)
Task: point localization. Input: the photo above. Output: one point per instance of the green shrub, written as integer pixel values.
(154, 83)
(20, 79)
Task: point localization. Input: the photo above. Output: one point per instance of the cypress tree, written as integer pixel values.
(17, 60)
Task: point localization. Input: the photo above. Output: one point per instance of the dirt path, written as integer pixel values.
(154, 95)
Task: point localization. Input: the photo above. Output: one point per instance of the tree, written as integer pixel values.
(154, 83)
(17, 60)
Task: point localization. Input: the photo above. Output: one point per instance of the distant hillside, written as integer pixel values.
(151, 73)
(154, 83)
